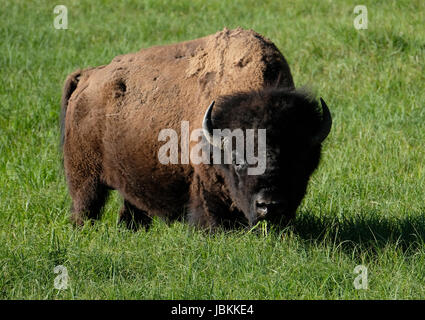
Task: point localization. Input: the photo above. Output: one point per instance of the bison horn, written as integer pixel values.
(207, 127)
(325, 126)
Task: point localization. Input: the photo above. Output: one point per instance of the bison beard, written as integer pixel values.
(112, 116)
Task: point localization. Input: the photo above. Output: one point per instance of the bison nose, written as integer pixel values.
(264, 207)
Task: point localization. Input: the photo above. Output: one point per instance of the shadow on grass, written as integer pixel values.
(372, 232)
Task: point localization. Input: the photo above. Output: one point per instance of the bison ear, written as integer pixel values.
(325, 125)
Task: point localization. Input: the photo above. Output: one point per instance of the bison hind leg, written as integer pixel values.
(88, 201)
(132, 217)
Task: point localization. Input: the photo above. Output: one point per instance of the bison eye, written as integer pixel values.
(240, 167)
(239, 164)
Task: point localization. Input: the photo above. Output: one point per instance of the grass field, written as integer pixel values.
(364, 204)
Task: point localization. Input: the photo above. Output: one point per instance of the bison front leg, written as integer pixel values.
(132, 217)
(201, 207)
(200, 217)
(209, 210)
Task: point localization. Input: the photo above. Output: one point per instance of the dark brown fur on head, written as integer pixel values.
(291, 119)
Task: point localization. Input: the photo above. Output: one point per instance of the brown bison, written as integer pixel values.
(112, 117)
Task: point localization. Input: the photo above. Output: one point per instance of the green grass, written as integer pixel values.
(364, 204)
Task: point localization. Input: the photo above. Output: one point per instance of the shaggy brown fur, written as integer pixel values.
(112, 116)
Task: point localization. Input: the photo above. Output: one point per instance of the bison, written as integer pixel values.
(112, 116)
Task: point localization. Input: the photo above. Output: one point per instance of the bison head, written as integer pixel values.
(295, 129)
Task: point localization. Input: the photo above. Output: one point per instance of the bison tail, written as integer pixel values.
(71, 83)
